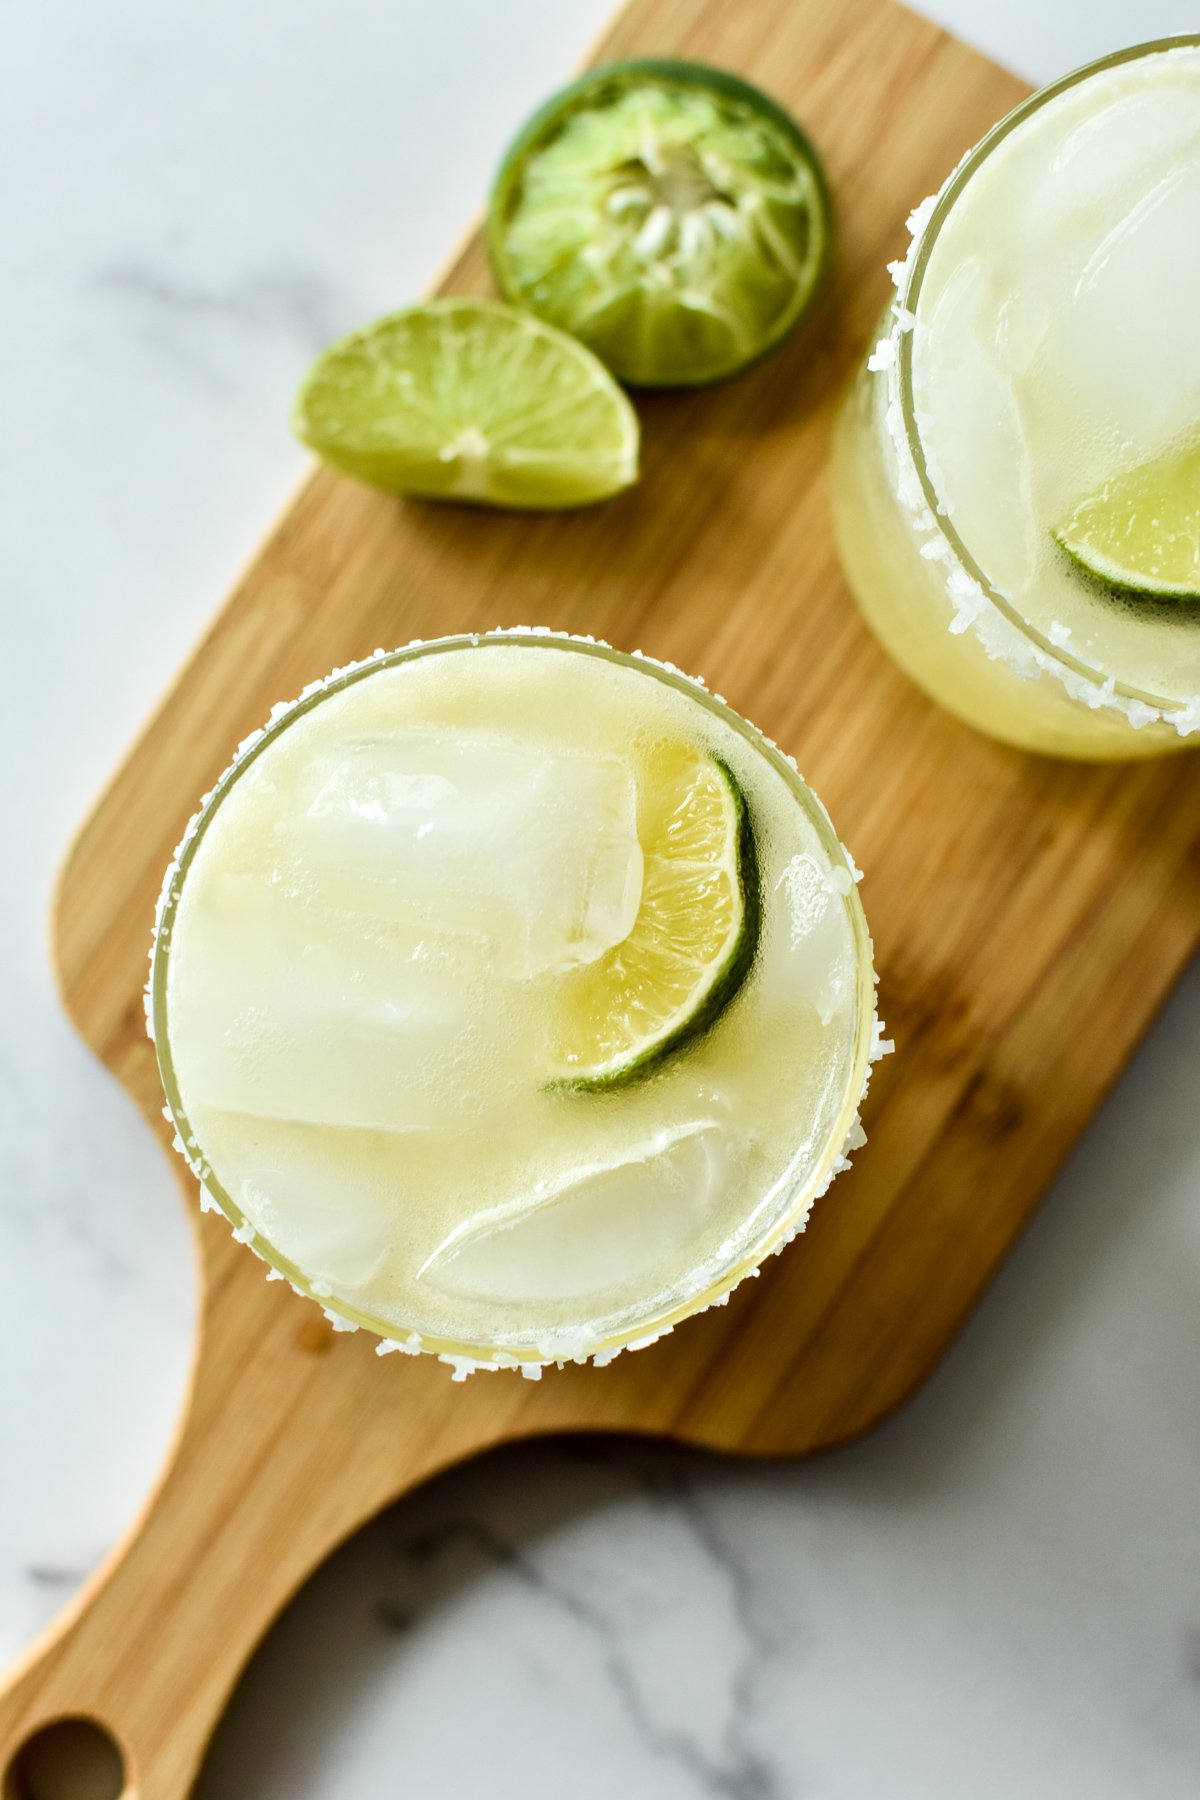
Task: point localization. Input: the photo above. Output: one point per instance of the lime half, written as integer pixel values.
(470, 400)
(1141, 532)
(668, 214)
(693, 940)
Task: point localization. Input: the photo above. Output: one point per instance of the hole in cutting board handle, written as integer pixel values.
(72, 1759)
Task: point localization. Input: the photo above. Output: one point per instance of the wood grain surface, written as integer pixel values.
(1029, 918)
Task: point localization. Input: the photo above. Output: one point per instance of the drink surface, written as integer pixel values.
(377, 982)
(1056, 349)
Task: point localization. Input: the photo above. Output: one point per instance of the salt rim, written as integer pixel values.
(563, 1347)
(975, 610)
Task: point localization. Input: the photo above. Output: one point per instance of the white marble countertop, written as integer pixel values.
(996, 1596)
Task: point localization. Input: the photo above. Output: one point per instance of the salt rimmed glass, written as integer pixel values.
(791, 1210)
(927, 599)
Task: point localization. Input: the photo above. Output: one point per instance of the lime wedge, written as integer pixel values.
(1141, 532)
(693, 940)
(470, 400)
(668, 214)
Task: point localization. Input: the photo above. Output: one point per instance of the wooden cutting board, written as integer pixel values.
(1030, 917)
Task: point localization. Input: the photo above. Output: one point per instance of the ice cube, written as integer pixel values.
(812, 963)
(272, 1014)
(1022, 322)
(972, 425)
(1127, 144)
(1120, 357)
(325, 1200)
(532, 849)
(594, 1227)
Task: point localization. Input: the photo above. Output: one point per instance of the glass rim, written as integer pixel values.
(1061, 660)
(862, 1053)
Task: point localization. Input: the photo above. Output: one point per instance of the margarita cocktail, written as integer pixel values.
(513, 997)
(1017, 470)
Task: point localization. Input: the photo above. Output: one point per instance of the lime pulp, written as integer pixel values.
(1140, 533)
(695, 936)
(462, 399)
(669, 215)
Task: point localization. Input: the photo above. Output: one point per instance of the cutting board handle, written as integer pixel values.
(251, 1502)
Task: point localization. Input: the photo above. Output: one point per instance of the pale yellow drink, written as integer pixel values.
(1043, 343)
(381, 975)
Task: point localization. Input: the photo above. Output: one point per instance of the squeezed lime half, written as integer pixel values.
(670, 215)
(1140, 533)
(470, 400)
(695, 936)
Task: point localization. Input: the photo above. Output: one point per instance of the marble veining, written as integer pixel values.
(712, 1752)
(302, 307)
(553, 1604)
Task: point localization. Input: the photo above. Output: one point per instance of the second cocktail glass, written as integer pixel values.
(1037, 385)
